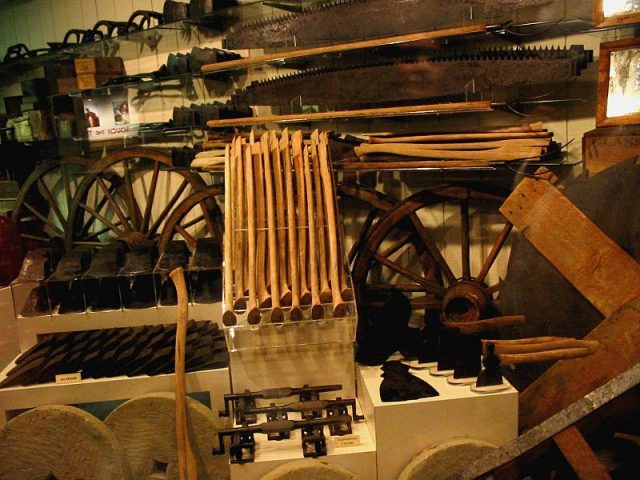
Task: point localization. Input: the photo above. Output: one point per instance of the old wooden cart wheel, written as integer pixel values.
(197, 216)
(43, 203)
(135, 203)
(445, 218)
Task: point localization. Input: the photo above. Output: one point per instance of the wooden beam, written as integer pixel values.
(344, 47)
(599, 269)
(430, 109)
(579, 455)
(593, 263)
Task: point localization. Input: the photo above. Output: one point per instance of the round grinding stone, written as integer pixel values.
(146, 428)
(64, 442)
(439, 462)
(310, 469)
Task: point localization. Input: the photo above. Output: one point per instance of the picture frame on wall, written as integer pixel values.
(619, 83)
(610, 13)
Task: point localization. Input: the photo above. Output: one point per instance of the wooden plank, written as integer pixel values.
(344, 47)
(430, 109)
(599, 269)
(579, 455)
(593, 263)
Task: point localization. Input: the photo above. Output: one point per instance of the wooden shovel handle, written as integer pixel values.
(186, 460)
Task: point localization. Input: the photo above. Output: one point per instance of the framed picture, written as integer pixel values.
(608, 13)
(619, 83)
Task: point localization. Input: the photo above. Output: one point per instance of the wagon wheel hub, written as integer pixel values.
(465, 301)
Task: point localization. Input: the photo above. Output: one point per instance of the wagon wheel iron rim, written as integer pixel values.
(127, 201)
(206, 218)
(42, 219)
(456, 298)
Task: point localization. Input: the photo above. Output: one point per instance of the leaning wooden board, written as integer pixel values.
(601, 271)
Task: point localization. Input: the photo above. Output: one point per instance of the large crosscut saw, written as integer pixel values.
(345, 20)
(419, 78)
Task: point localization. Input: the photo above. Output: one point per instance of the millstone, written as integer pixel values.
(439, 462)
(146, 428)
(309, 469)
(60, 442)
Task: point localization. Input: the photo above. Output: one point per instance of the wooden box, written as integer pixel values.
(604, 147)
(91, 80)
(87, 65)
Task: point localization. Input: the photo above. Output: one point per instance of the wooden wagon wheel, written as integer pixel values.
(197, 216)
(456, 294)
(42, 206)
(130, 209)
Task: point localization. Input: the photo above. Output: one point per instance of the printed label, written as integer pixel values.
(347, 441)
(68, 378)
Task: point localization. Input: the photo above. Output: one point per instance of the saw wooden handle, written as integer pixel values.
(339, 307)
(228, 317)
(272, 246)
(264, 299)
(292, 228)
(253, 315)
(186, 459)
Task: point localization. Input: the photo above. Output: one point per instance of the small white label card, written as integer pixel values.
(347, 441)
(68, 378)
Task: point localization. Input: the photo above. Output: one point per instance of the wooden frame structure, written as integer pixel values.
(604, 70)
(599, 19)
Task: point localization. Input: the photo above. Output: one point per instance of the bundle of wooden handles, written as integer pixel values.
(282, 251)
(538, 349)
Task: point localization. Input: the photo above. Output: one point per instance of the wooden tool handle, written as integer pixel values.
(461, 137)
(502, 348)
(545, 356)
(325, 290)
(278, 178)
(296, 148)
(316, 309)
(292, 230)
(264, 299)
(239, 210)
(488, 324)
(416, 150)
(272, 244)
(339, 307)
(186, 460)
(253, 315)
(228, 317)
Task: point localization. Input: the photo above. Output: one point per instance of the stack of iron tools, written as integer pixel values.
(314, 413)
(282, 250)
(198, 115)
(130, 351)
(116, 276)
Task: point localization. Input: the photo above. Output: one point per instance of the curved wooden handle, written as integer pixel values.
(186, 460)
(579, 348)
(469, 328)
(229, 318)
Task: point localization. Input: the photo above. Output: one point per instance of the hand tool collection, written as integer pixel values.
(130, 351)
(282, 249)
(342, 20)
(419, 77)
(315, 414)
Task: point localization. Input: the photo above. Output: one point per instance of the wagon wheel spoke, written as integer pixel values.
(44, 219)
(402, 287)
(428, 286)
(168, 207)
(497, 247)
(54, 205)
(102, 231)
(189, 238)
(208, 218)
(191, 223)
(87, 226)
(102, 219)
(433, 249)
(151, 197)
(464, 239)
(114, 204)
(133, 205)
(65, 182)
(397, 245)
(35, 237)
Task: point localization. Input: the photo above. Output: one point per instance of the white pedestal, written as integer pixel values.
(360, 459)
(13, 400)
(401, 430)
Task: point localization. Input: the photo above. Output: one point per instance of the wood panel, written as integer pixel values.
(606, 275)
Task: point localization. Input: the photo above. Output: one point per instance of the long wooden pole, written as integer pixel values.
(280, 220)
(228, 317)
(296, 149)
(253, 315)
